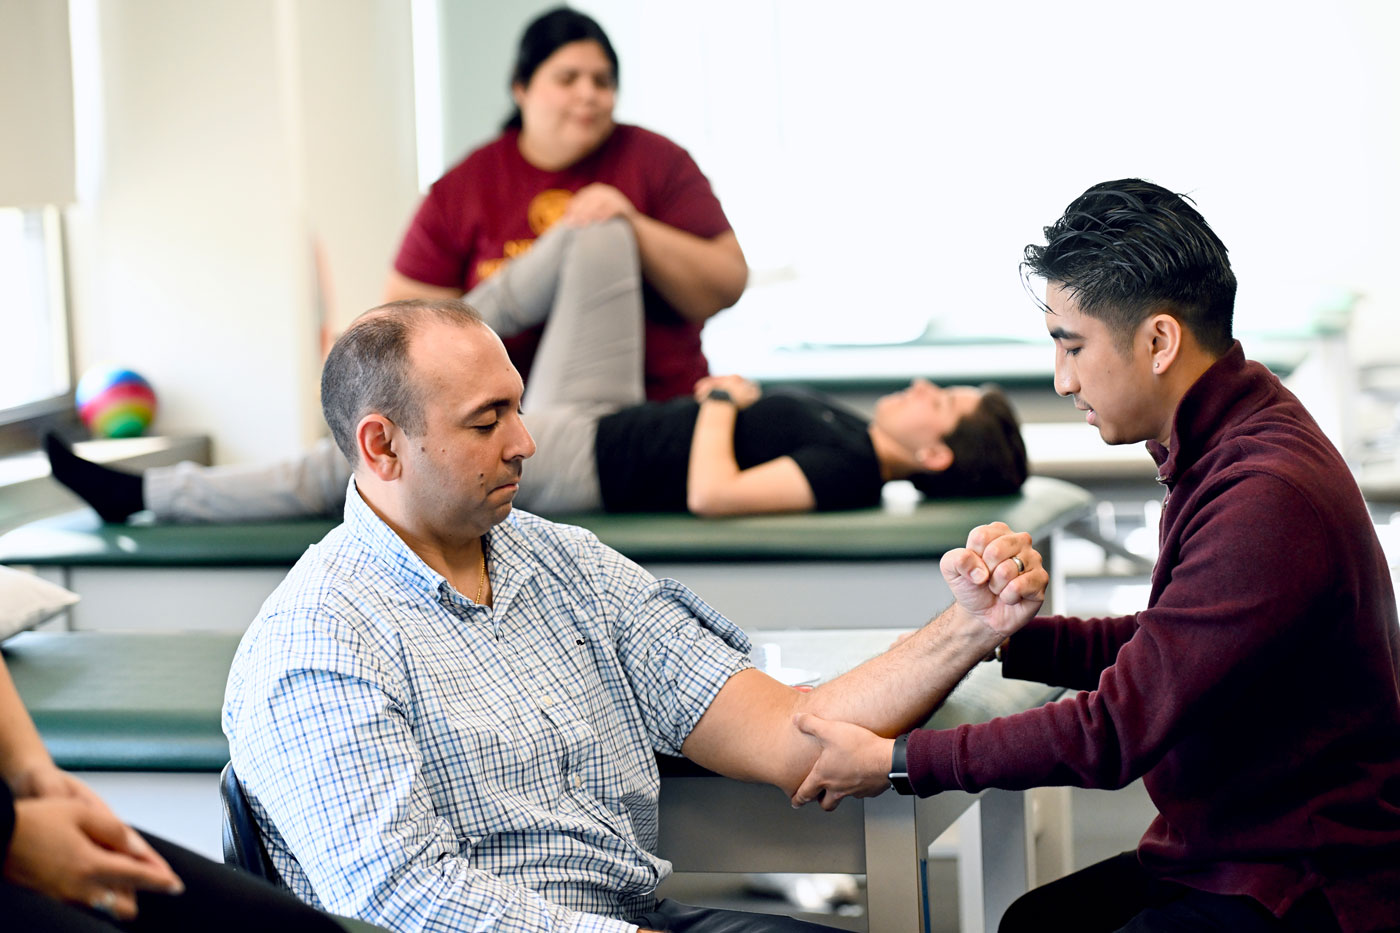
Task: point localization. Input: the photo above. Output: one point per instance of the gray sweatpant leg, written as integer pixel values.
(312, 484)
(590, 358)
(586, 282)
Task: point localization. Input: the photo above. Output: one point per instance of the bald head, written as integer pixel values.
(368, 368)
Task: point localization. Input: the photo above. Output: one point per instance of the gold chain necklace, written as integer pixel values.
(481, 584)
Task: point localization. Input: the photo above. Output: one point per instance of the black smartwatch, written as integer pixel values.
(719, 395)
(899, 767)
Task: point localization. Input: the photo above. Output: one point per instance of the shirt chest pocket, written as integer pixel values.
(587, 781)
(567, 714)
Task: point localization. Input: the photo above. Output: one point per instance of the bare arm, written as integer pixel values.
(714, 483)
(749, 731)
(698, 276)
(22, 752)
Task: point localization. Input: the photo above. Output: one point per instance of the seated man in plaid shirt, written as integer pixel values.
(445, 718)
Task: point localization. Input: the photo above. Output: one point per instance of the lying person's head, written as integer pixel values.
(957, 441)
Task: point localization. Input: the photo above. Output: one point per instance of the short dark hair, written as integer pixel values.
(1126, 249)
(549, 32)
(989, 454)
(367, 369)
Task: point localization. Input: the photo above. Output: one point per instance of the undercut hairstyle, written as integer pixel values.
(367, 371)
(547, 34)
(1128, 249)
(989, 454)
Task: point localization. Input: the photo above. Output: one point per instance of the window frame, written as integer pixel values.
(21, 426)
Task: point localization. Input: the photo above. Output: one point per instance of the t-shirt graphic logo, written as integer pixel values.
(546, 208)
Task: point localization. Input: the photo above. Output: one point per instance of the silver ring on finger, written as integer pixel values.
(1020, 566)
(106, 902)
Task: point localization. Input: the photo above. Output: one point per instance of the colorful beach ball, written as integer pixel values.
(115, 402)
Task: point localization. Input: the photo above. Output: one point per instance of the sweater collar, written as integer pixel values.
(1205, 413)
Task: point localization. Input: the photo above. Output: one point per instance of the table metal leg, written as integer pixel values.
(894, 892)
(1006, 851)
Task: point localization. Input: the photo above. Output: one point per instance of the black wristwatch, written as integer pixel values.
(719, 395)
(899, 767)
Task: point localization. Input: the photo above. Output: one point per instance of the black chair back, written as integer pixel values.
(243, 847)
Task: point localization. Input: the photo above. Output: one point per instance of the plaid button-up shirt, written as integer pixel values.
(426, 763)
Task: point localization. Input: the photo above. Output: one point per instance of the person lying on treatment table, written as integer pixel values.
(1257, 692)
(731, 449)
(446, 716)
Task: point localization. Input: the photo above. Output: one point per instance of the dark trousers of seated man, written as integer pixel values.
(674, 917)
(217, 899)
(1117, 895)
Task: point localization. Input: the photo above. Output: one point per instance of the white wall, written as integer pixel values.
(477, 52)
(885, 163)
(34, 56)
(358, 160)
(245, 172)
(1374, 336)
(248, 168)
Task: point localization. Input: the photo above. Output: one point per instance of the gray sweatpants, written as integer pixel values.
(585, 284)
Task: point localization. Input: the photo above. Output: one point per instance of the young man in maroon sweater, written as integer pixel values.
(1256, 695)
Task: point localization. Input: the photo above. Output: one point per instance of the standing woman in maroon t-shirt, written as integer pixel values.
(562, 159)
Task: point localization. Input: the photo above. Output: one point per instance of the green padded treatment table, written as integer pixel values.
(927, 529)
(80, 539)
(923, 531)
(128, 701)
(823, 564)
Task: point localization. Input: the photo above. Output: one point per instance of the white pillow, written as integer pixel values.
(27, 600)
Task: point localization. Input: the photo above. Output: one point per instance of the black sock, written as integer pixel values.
(115, 494)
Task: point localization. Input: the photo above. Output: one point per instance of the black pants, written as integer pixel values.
(217, 899)
(1118, 896)
(674, 917)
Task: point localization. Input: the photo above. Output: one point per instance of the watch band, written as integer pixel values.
(899, 767)
(719, 395)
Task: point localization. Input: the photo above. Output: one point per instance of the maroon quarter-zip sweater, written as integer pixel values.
(1257, 692)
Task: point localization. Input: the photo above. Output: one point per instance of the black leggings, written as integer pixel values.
(1118, 896)
(217, 899)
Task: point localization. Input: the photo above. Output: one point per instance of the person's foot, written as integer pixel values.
(115, 494)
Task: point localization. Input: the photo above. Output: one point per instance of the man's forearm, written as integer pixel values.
(751, 727)
(899, 689)
(749, 731)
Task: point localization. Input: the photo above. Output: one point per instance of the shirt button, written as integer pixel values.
(546, 701)
(578, 780)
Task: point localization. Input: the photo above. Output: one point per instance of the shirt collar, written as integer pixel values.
(506, 548)
(1207, 411)
(383, 544)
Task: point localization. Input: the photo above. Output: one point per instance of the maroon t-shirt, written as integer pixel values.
(493, 204)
